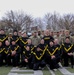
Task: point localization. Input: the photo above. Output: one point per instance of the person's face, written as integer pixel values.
(29, 41)
(24, 35)
(47, 32)
(19, 33)
(56, 41)
(57, 33)
(35, 34)
(51, 43)
(15, 33)
(67, 40)
(2, 32)
(38, 49)
(0, 43)
(67, 33)
(7, 43)
(13, 43)
(42, 41)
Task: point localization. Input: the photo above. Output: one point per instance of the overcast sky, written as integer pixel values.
(37, 8)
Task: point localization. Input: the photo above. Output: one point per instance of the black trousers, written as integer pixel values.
(66, 59)
(29, 63)
(7, 59)
(1, 59)
(53, 63)
(39, 64)
(15, 60)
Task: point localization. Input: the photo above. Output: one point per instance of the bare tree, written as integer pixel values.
(39, 23)
(68, 21)
(28, 21)
(47, 21)
(16, 20)
(51, 21)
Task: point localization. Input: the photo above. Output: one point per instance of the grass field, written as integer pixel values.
(6, 70)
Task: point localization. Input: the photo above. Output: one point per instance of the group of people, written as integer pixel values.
(37, 50)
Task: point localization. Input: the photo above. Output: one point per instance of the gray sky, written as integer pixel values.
(37, 8)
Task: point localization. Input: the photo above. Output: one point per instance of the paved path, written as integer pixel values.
(15, 71)
(65, 71)
(52, 73)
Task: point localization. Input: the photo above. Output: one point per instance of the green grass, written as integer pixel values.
(70, 69)
(5, 70)
(46, 71)
(58, 72)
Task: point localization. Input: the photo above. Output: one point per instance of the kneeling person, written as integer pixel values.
(15, 53)
(38, 58)
(27, 57)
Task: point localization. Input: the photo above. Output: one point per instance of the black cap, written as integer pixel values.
(15, 31)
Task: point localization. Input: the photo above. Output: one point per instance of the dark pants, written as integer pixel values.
(66, 59)
(15, 60)
(39, 64)
(1, 59)
(7, 59)
(53, 63)
(29, 63)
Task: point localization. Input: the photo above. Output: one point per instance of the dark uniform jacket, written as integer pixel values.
(67, 48)
(39, 55)
(23, 41)
(7, 50)
(47, 39)
(2, 50)
(42, 46)
(16, 39)
(53, 51)
(27, 54)
(15, 48)
(3, 37)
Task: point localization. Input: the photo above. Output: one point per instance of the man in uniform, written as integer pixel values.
(67, 52)
(27, 57)
(35, 38)
(15, 37)
(52, 55)
(42, 45)
(67, 34)
(47, 37)
(15, 53)
(39, 58)
(1, 53)
(3, 37)
(23, 41)
(7, 52)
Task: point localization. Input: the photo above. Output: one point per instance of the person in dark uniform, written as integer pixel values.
(27, 57)
(67, 52)
(52, 55)
(29, 43)
(42, 45)
(23, 41)
(1, 54)
(3, 37)
(7, 56)
(15, 53)
(47, 37)
(15, 37)
(39, 58)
